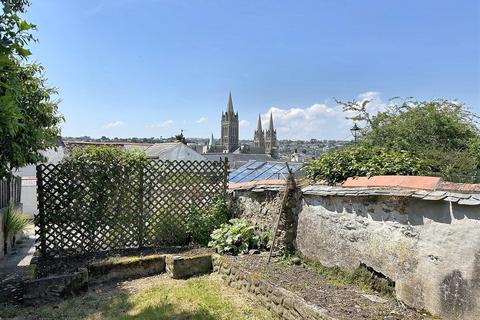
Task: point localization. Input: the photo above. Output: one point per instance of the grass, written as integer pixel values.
(125, 259)
(202, 298)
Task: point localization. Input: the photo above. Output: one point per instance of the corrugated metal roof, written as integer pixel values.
(158, 149)
(262, 170)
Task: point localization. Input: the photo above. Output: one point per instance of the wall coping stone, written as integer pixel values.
(470, 199)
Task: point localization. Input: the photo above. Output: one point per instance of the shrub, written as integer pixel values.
(202, 222)
(336, 166)
(238, 236)
(13, 222)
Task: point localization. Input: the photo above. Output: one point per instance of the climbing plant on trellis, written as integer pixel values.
(86, 208)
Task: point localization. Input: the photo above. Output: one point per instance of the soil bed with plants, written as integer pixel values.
(71, 264)
(344, 295)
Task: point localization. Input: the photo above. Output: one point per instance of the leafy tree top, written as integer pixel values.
(29, 117)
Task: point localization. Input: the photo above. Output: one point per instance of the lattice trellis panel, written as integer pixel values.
(90, 208)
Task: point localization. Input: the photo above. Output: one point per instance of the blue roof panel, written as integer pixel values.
(262, 170)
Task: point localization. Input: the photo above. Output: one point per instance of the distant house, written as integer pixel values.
(29, 179)
(173, 151)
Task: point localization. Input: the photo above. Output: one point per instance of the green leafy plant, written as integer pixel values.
(13, 222)
(338, 165)
(442, 133)
(29, 115)
(202, 222)
(238, 236)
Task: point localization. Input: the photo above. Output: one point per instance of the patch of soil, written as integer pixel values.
(72, 263)
(341, 301)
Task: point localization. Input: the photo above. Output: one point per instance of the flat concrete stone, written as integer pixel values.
(126, 268)
(179, 267)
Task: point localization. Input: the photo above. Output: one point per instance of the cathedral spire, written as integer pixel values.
(211, 142)
(230, 104)
(259, 125)
(271, 122)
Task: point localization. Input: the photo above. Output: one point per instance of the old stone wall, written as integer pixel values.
(263, 209)
(431, 249)
(260, 207)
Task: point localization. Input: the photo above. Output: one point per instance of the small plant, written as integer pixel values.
(13, 222)
(238, 236)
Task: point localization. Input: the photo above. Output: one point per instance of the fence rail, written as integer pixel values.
(10, 188)
(91, 208)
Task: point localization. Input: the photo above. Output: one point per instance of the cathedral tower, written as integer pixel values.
(271, 139)
(229, 128)
(259, 136)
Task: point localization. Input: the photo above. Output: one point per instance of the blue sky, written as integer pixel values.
(152, 67)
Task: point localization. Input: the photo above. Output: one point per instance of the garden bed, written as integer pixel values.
(56, 266)
(338, 299)
(52, 287)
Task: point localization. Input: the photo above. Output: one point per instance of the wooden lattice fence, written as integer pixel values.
(88, 209)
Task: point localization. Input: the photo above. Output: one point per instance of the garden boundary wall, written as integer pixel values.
(425, 239)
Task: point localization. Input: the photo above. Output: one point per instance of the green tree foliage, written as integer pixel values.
(437, 137)
(338, 165)
(29, 118)
(106, 156)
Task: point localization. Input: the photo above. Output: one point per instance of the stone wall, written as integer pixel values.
(263, 209)
(260, 207)
(431, 249)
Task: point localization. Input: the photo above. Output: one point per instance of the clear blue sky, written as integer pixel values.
(151, 67)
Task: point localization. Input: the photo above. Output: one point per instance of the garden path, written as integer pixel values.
(13, 267)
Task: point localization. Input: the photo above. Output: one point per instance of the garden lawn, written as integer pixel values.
(158, 297)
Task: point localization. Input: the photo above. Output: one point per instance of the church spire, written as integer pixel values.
(271, 138)
(211, 142)
(259, 125)
(230, 104)
(271, 122)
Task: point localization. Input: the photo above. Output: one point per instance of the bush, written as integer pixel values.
(13, 222)
(443, 133)
(106, 155)
(336, 166)
(238, 236)
(202, 222)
